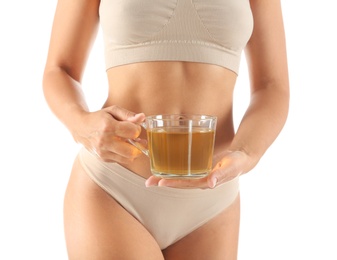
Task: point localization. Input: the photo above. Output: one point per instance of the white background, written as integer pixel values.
(288, 200)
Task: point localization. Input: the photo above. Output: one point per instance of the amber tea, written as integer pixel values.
(181, 151)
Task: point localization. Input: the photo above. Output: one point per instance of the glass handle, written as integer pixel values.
(138, 145)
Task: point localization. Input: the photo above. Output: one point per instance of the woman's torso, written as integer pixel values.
(182, 57)
(174, 87)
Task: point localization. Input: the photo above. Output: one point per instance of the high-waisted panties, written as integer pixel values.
(167, 213)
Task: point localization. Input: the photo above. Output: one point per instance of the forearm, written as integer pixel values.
(261, 124)
(64, 96)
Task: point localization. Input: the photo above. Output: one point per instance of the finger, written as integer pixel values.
(225, 170)
(137, 118)
(110, 146)
(127, 130)
(200, 183)
(115, 158)
(184, 183)
(122, 148)
(152, 181)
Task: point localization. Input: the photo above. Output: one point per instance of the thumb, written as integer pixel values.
(122, 114)
(136, 118)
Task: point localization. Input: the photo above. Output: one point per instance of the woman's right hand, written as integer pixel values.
(105, 133)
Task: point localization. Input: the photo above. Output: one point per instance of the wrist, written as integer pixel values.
(248, 158)
(74, 121)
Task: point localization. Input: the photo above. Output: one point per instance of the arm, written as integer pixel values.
(269, 101)
(267, 63)
(73, 33)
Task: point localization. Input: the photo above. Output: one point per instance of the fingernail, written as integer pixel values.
(133, 116)
(149, 184)
(139, 114)
(214, 181)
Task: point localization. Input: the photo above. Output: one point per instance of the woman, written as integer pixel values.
(163, 57)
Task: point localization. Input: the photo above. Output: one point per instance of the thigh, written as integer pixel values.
(216, 240)
(97, 227)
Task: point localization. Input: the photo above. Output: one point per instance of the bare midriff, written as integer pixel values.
(174, 88)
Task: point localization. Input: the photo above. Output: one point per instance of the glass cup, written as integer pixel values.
(179, 146)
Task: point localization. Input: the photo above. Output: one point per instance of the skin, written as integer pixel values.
(96, 226)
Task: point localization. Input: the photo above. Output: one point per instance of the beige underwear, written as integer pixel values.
(168, 214)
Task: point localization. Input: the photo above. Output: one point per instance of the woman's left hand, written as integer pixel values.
(231, 165)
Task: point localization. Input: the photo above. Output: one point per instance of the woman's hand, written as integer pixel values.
(231, 165)
(105, 133)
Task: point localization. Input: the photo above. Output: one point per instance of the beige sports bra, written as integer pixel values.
(206, 31)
